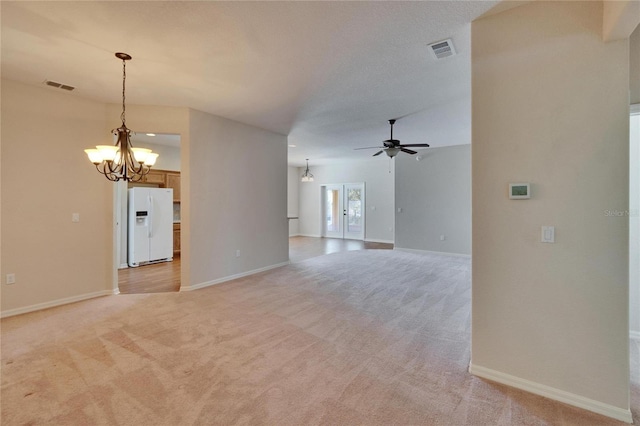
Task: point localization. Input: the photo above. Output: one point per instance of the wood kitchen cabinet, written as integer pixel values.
(156, 176)
(176, 238)
(173, 182)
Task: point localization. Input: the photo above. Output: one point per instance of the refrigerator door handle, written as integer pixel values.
(150, 228)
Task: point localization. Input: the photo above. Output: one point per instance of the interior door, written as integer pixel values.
(343, 211)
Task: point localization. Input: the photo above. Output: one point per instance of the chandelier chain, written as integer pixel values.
(124, 77)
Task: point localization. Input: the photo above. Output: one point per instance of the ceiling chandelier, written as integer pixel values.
(122, 161)
(306, 176)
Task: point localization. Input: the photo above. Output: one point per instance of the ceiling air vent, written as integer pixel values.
(442, 49)
(58, 85)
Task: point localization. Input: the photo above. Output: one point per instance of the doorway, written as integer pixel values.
(343, 211)
(151, 277)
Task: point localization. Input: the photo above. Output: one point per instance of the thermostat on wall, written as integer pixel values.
(519, 191)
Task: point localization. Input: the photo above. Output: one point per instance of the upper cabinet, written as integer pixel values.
(173, 181)
(156, 176)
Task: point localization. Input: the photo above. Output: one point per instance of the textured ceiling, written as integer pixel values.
(327, 74)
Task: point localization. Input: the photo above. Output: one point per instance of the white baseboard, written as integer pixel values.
(54, 303)
(440, 253)
(373, 240)
(634, 335)
(294, 235)
(123, 266)
(232, 277)
(309, 235)
(553, 393)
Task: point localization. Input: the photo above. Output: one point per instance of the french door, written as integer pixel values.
(343, 211)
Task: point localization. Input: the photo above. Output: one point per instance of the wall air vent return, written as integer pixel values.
(442, 49)
(58, 85)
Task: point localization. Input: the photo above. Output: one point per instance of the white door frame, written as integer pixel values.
(342, 231)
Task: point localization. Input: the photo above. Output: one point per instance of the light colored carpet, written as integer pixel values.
(356, 338)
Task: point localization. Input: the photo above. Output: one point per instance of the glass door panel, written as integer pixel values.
(343, 211)
(354, 226)
(333, 211)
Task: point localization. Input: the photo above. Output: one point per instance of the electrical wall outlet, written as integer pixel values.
(11, 278)
(75, 217)
(237, 253)
(442, 238)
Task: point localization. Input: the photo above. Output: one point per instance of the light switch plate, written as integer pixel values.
(548, 234)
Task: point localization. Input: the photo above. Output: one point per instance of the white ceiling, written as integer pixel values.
(327, 74)
(156, 139)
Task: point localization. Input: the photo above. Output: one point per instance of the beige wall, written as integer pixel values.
(46, 177)
(550, 107)
(435, 197)
(238, 198)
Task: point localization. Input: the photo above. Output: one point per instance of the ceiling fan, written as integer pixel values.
(392, 146)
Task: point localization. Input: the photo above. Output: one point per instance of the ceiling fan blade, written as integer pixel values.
(416, 144)
(392, 146)
(369, 147)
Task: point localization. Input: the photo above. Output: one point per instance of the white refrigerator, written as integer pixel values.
(150, 225)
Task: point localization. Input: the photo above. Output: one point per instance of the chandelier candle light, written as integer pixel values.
(122, 161)
(307, 177)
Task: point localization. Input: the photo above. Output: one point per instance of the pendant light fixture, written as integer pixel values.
(122, 161)
(306, 176)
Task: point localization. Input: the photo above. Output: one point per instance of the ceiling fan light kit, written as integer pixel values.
(392, 152)
(392, 146)
(122, 161)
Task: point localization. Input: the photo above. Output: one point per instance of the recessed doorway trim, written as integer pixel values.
(343, 210)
